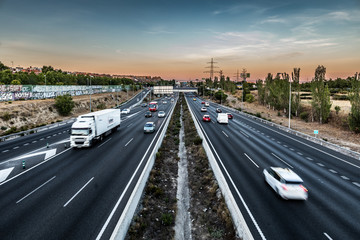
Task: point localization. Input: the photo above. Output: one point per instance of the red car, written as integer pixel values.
(202, 102)
(230, 116)
(206, 118)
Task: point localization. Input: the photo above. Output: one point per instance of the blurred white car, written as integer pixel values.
(161, 114)
(203, 109)
(207, 104)
(126, 110)
(286, 183)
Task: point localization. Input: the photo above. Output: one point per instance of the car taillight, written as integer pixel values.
(304, 188)
(284, 187)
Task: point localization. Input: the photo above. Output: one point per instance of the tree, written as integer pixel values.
(46, 69)
(354, 116)
(221, 96)
(261, 91)
(3, 67)
(321, 96)
(64, 104)
(295, 101)
(15, 82)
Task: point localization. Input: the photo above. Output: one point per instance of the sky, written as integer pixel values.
(176, 39)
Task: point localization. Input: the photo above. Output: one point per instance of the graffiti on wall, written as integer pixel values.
(28, 92)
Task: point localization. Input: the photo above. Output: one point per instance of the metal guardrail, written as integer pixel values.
(319, 141)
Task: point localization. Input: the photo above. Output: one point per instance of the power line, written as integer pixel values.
(211, 68)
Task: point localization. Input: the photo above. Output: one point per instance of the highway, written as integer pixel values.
(244, 147)
(67, 193)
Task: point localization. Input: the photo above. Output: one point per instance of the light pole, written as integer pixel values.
(289, 102)
(89, 79)
(45, 85)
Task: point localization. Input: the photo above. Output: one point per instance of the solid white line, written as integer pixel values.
(282, 160)
(225, 134)
(36, 189)
(78, 192)
(104, 143)
(326, 235)
(251, 160)
(129, 142)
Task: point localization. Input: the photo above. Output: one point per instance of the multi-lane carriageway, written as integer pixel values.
(244, 147)
(80, 194)
(67, 193)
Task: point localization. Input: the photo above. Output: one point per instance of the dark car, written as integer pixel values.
(148, 114)
(144, 105)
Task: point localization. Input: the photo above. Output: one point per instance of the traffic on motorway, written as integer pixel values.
(87, 186)
(285, 187)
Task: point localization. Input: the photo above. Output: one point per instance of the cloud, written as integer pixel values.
(273, 19)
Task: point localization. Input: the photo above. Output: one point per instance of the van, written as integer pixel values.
(222, 118)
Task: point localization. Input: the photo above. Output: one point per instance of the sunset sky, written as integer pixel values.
(175, 39)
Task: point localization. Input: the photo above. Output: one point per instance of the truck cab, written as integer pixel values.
(82, 132)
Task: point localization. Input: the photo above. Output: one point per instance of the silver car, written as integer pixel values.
(149, 127)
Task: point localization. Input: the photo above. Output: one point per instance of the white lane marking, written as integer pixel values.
(78, 192)
(55, 134)
(59, 133)
(320, 164)
(326, 235)
(36, 189)
(356, 184)
(225, 134)
(299, 153)
(26, 144)
(244, 134)
(48, 137)
(33, 141)
(282, 160)
(251, 160)
(5, 151)
(278, 142)
(333, 171)
(16, 147)
(104, 143)
(285, 146)
(309, 158)
(34, 167)
(129, 125)
(291, 149)
(129, 142)
(42, 139)
(345, 178)
(5, 173)
(308, 145)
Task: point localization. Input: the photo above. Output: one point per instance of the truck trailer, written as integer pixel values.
(222, 118)
(91, 127)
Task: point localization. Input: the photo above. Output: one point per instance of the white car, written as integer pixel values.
(164, 102)
(207, 104)
(126, 110)
(286, 183)
(149, 127)
(203, 109)
(161, 114)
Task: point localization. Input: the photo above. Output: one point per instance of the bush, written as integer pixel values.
(6, 116)
(3, 128)
(337, 109)
(64, 104)
(249, 98)
(101, 106)
(197, 140)
(258, 115)
(166, 219)
(304, 116)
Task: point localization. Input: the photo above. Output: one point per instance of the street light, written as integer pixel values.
(289, 102)
(90, 91)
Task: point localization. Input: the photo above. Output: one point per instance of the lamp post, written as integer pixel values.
(289, 102)
(45, 85)
(89, 79)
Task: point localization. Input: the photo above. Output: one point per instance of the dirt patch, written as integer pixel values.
(24, 115)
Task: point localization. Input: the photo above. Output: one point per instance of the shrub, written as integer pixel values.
(64, 104)
(101, 106)
(166, 219)
(304, 116)
(197, 140)
(3, 128)
(6, 116)
(249, 98)
(337, 109)
(258, 115)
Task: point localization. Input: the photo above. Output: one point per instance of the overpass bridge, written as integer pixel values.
(171, 90)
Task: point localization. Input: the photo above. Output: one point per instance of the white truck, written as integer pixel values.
(94, 126)
(222, 118)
